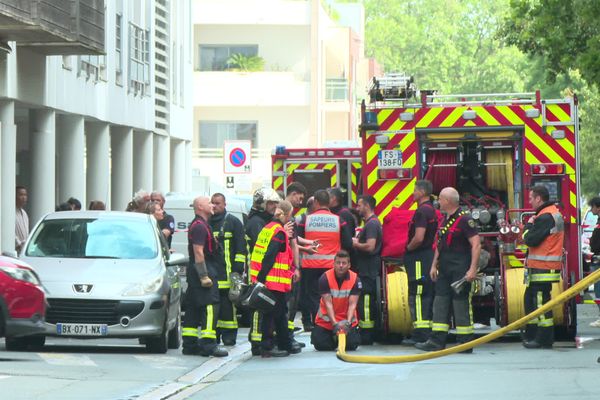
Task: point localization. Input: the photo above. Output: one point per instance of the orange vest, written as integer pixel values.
(279, 278)
(340, 297)
(324, 226)
(549, 254)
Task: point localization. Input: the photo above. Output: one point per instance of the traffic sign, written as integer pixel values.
(237, 157)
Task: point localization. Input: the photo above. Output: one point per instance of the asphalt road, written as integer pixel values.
(121, 369)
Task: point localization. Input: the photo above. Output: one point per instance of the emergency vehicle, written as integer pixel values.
(492, 149)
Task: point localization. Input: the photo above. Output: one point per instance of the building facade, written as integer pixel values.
(94, 122)
(275, 72)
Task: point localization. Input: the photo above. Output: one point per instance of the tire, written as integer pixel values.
(174, 336)
(27, 343)
(159, 344)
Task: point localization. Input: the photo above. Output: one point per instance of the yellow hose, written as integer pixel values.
(563, 297)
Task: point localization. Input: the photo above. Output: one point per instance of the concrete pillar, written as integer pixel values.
(187, 172)
(42, 194)
(162, 157)
(8, 160)
(70, 146)
(178, 180)
(121, 142)
(142, 161)
(98, 162)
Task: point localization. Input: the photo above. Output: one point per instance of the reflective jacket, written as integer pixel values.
(324, 226)
(549, 253)
(229, 232)
(340, 296)
(279, 278)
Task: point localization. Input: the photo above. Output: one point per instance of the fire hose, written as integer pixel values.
(396, 359)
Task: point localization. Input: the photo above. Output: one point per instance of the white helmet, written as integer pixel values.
(262, 195)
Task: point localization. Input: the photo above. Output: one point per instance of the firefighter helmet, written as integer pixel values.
(262, 195)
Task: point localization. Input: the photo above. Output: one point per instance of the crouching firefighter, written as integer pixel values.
(340, 289)
(229, 232)
(271, 264)
(202, 296)
(544, 235)
(456, 257)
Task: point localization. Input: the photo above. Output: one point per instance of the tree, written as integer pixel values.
(565, 32)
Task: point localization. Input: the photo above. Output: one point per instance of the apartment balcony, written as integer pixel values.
(251, 12)
(225, 88)
(337, 95)
(54, 27)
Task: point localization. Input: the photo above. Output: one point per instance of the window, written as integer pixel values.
(214, 57)
(139, 60)
(92, 67)
(213, 133)
(119, 58)
(336, 89)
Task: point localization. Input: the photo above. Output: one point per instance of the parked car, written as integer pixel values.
(22, 304)
(107, 275)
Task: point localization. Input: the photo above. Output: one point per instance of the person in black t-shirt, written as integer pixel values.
(167, 223)
(367, 248)
(456, 257)
(417, 261)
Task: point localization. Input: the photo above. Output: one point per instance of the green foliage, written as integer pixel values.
(240, 62)
(565, 32)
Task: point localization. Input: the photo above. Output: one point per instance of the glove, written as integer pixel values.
(341, 327)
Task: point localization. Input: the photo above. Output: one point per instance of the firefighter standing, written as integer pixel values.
(326, 229)
(340, 290)
(336, 207)
(417, 261)
(264, 203)
(202, 296)
(271, 264)
(367, 248)
(544, 234)
(456, 257)
(229, 231)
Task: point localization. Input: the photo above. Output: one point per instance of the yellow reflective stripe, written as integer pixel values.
(209, 332)
(227, 324)
(227, 260)
(278, 279)
(439, 327)
(227, 235)
(255, 335)
(470, 308)
(291, 325)
(189, 332)
(547, 322)
(533, 321)
(464, 330)
(423, 324)
(240, 258)
(366, 323)
(551, 277)
(224, 284)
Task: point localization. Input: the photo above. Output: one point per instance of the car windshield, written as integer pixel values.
(94, 238)
(590, 220)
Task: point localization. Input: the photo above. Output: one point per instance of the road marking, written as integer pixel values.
(67, 359)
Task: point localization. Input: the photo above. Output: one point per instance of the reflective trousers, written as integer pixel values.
(537, 293)
(199, 316)
(420, 292)
(452, 267)
(227, 325)
(367, 309)
(325, 340)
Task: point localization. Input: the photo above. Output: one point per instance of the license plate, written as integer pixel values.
(389, 159)
(82, 329)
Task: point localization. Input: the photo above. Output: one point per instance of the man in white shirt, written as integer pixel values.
(21, 219)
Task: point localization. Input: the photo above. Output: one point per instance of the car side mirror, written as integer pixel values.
(177, 259)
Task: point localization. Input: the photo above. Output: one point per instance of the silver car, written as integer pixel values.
(107, 275)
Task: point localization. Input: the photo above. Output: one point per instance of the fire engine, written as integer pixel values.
(492, 149)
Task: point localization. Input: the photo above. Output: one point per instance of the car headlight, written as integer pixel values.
(141, 289)
(21, 274)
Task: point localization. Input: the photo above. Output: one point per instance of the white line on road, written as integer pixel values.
(67, 359)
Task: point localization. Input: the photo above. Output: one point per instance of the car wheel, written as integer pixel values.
(174, 339)
(158, 344)
(31, 343)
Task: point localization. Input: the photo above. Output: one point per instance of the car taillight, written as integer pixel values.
(547, 169)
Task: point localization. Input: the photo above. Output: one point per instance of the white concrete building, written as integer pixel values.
(96, 126)
(301, 92)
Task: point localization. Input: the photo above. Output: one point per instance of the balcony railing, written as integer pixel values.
(336, 89)
(54, 27)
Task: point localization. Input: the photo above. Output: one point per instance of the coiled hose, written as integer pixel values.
(375, 359)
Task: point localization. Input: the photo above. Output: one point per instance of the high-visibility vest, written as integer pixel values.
(279, 278)
(340, 297)
(324, 226)
(549, 254)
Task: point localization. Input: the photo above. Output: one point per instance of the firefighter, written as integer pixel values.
(417, 261)
(595, 248)
(202, 296)
(340, 289)
(307, 323)
(264, 203)
(229, 232)
(271, 264)
(456, 257)
(329, 235)
(367, 248)
(336, 207)
(544, 235)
